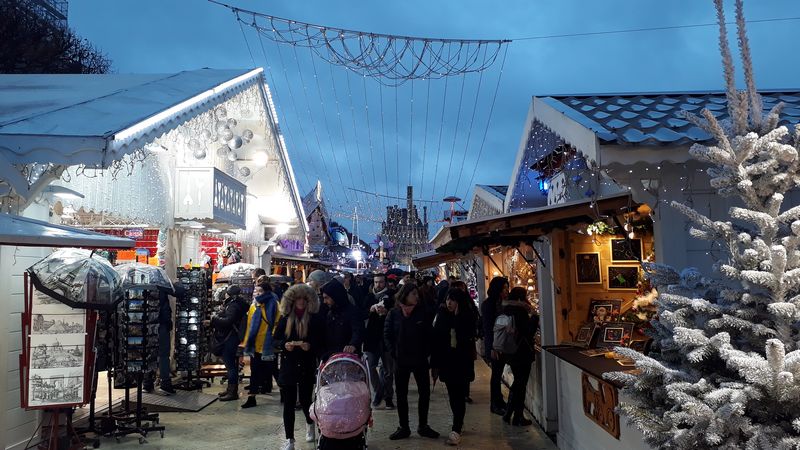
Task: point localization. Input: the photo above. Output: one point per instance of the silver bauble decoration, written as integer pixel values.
(231, 155)
(206, 134)
(247, 134)
(244, 171)
(226, 135)
(235, 143)
(200, 153)
(221, 113)
(223, 151)
(221, 126)
(232, 122)
(194, 144)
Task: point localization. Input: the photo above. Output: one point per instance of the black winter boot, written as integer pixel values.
(251, 402)
(232, 394)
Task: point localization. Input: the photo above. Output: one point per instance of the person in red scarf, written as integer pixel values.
(407, 334)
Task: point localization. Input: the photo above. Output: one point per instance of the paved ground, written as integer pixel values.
(226, 426)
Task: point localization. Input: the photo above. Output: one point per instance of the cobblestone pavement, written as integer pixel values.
(227, 426)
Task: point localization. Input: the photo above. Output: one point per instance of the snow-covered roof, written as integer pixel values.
(496, 190)
(653, 119)
(17, 230)
(96, 119)
(314, 200)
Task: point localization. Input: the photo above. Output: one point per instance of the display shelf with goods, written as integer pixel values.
(190, 335)
(137, 337)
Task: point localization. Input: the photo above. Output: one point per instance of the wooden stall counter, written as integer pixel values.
(587, 417)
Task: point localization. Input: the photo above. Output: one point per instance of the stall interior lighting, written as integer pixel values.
(261, 158)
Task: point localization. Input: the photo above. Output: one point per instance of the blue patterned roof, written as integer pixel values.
(656, 119)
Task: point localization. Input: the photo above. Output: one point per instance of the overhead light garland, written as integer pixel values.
(390, 59)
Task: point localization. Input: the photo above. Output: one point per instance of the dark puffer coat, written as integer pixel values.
(458, 361)
(409, 338)
(343, 323)
(298, 366)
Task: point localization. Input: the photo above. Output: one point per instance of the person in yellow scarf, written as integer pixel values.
(261, 320)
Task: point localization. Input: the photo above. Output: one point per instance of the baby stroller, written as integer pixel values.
(342, 403)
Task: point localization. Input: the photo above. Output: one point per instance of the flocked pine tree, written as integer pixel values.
(726, 370)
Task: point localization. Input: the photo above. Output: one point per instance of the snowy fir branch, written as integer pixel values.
(725, 368)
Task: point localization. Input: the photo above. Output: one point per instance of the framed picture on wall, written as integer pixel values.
(602, 311)
(585, 334)
(587, 268)
(615, 334)
(626, 250)
(623, 277)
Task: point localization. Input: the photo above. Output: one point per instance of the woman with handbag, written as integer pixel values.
(525, 325)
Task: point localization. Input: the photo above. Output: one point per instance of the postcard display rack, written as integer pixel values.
(138, 355)
(56, 362)
(190, 339)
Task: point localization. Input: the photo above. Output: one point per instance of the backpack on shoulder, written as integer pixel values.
(505, 335)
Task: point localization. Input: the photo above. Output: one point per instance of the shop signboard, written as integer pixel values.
(134, 233)
(206, 193)
(291, 246)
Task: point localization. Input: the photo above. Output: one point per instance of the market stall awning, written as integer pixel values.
(97, 119)
(22, 231)
(299, 259)
(523, 226)
(430, 259)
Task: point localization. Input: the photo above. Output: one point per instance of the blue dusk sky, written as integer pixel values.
(162, 36)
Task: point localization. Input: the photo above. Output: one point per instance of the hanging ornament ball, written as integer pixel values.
(200, 153)
(235, 143)
(231, 155)
(223, 151)
(206, 134)
(577, 178)
(244, 171)
(194, 144)
(221, 126)
(226, 135)
(232, 122)
(213, 137)
(247, 134)
(221, 113)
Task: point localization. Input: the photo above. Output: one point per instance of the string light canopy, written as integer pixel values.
(390, 59)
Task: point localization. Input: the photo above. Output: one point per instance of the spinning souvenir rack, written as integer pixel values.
(190, 339)
(137, 337)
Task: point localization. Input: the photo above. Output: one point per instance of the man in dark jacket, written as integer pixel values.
(164, 343)
(380, 301)
(407, 336)
(226, 324)
(354, 291)
(344, 324)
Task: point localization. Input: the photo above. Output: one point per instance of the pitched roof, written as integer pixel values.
(95, 119)
(314, 200)
(656, 119)
(496, 190)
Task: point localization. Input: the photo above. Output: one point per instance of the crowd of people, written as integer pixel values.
(404, 327)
